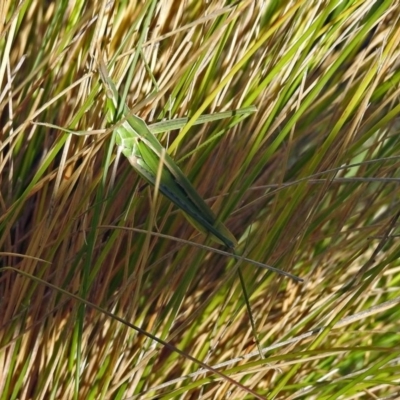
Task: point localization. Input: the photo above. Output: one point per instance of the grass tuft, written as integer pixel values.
(107, 292)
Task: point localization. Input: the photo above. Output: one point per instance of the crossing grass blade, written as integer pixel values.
(167, 125)
(145, 153)
(178, 123)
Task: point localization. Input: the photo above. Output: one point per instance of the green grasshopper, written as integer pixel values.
(145, 153)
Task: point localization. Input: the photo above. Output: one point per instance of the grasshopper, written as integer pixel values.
(145, 153)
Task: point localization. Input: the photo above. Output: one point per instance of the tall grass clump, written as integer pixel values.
(106, 291)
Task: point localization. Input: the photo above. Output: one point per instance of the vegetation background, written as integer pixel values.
(101, 294)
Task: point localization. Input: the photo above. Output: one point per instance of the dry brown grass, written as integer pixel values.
(308, 184)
